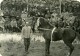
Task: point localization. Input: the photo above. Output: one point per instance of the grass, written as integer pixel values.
(37, 48)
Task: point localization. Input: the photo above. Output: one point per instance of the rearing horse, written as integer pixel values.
(66, 34)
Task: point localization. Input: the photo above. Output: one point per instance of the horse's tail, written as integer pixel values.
(78, 36)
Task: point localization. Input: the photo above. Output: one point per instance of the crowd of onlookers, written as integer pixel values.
(65, 20)
(15, 20)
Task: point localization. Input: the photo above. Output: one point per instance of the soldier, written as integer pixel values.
(14, 25)
(60, 23)
(26, 34)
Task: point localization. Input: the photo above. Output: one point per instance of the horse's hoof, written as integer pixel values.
(68, 54)
(48, 55)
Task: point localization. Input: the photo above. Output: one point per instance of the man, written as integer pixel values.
(24, 16)
(53, 19)
(14, 25)
(60, 23)
(26, 34)
(2, 21)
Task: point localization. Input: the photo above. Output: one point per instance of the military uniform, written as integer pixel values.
(26, 34)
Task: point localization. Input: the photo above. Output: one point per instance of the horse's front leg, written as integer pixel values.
(47, 46)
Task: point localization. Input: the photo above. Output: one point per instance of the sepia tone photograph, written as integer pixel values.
(39, 27)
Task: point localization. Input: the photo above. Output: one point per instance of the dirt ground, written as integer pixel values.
(11, 48)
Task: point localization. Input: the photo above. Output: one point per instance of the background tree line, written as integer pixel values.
(38, 8)
(15, 7)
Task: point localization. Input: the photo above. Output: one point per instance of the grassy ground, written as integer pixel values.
(11, 48)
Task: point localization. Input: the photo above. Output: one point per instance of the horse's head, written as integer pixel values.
(43, 23)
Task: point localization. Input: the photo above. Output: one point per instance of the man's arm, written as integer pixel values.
(31, 32)
(22, 33)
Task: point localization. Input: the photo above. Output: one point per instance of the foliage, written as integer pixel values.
(12, 8)
(38, 8)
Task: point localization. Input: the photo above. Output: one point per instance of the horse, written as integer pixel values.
(53, 33)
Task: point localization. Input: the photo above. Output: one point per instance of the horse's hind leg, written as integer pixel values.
(71, 48)
(47, 46)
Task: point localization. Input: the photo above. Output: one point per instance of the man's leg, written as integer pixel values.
(26, 43)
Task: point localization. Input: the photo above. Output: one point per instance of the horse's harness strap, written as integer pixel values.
(44, 29)
(52, 33)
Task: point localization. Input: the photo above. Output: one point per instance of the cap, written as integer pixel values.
(27, 22)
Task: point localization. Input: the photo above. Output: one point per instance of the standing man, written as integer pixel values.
(24, 16)
(14, 25)
(26, 34)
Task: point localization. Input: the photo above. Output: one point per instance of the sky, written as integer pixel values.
(78, 0)
(1, 1)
